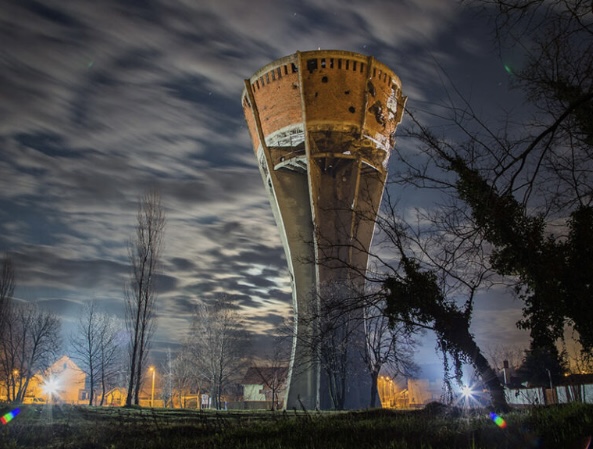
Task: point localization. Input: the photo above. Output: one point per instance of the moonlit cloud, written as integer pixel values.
(102, 100)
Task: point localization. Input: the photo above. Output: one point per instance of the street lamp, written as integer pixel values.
(15, 373)
(152, 393)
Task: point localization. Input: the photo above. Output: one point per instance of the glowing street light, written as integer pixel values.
(15, 373)
(467, 391)
(152, 393)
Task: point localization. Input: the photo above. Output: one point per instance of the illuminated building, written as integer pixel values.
(322, 125)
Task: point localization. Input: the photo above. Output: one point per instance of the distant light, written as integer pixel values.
(508, 69)
(498, 420)
(51, 386)
(467, 391)
(9, 416)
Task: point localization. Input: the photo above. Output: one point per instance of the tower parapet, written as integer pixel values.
(322, 125)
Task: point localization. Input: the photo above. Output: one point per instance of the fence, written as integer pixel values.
(562, 394)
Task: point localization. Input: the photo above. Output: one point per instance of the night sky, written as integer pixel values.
(102, 100)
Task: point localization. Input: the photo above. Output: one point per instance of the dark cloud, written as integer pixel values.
(182, 264)
(102, 100)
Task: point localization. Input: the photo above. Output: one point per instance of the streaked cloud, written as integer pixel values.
(102, 100)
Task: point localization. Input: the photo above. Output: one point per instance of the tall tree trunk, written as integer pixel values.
(130, 395)
(374, 390)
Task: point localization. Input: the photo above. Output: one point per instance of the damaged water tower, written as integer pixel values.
(322, 124)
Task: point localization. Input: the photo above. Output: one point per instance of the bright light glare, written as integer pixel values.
(51, 386)
(466, 391)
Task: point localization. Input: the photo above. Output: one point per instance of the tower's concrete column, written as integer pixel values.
(322, 125)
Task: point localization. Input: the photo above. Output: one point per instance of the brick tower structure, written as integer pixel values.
(322, 124)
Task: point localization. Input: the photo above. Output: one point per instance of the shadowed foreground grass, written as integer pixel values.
(78, 427)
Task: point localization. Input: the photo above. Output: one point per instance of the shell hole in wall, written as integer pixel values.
(324, 79)
(352, 109)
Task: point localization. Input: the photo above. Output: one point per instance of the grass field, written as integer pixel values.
(562, 427)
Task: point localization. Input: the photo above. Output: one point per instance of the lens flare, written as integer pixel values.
(9, 416)
(51, 386)
(467, 391)
(498, 420)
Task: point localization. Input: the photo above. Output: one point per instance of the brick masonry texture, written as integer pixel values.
(326, 90)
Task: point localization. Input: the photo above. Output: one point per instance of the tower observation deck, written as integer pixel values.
(322, 125)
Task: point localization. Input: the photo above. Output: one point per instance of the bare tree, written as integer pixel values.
(94, 346)
(6, 289)
(339, 328)
(505, 359)
(389, 346)
(30, 344)
(84, 343)
(167, 376)
(140, 295)
(110, 353)
(336, 343)
(528, 179)
(7, 374)
(273, 372)
(185, 379)
(218, 343)
(428, 271)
